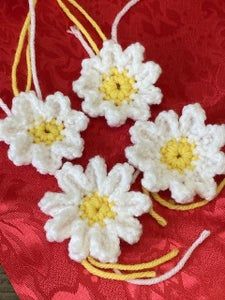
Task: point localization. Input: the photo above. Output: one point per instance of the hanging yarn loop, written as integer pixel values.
(77, 23)
(97, 268)
(110, 275)
(89, 18)
(179, 266)
(136, 267)
(32, 48)
(73, 30)
(17, 58)
(118, 18)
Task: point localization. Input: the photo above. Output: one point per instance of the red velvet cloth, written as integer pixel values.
(187, 39)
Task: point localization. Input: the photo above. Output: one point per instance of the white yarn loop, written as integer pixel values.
(203, 236)
(74, 31)
(4, 107)
(119, 16)
(32, 48)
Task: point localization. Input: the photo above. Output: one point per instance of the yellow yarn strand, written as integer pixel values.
(159, 219)
(29, 72)
(182, 207)
(113, 276)
(18, 56)
(89, 18)
(66, 10)
(136, 267)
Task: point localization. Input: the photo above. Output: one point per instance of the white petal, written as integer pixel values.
(59, 228)
(140, 155)
(79, 244)
(87, 86)
(20, 150)
(131, 57)
(57, 106)
(129, 229)
(119, 179)
(149, 95)
(148, 74)
(144, 131)
(167, 124)
(72, 180)
(131, 203)
(96, 173)
(93, 107)
(44, 160)
(93, 63)
(214, 137)
(27, 107)
(116, 116)
(70, 147)
(206, 189)
(9, 128)
(54, 203)
(104, 244)
(138, 109)
(110, 53)
(157, 178)
(192, 120)
(181, 192)
(210, 164)
(135, 53)
(76, 120)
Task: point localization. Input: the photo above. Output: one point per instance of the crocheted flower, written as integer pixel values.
(182, 155)
(94, 210)
(118, 85)
(42, 133)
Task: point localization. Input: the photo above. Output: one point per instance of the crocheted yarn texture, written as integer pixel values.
(189, 72)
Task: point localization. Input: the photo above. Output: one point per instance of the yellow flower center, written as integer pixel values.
(95, 209)
(117, 86)
(178, 154)
(47, 132)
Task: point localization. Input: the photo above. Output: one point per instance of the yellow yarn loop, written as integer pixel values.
(47, 132)
(136, 267)
(117, 86)
(29, 72)
(17, 58)
(95, 209)
(113, 276)
(182, 207)
(89, 18)
(178, 154)
(66, 10)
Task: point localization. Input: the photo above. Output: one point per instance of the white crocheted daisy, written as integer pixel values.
(180, 154)
(94, 210)
(42, 133)
(118, 85)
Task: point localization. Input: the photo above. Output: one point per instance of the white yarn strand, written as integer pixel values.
(4, 107)
(119, 17)
(135, 175)
(203, 236)
(32, 48)
(74, 31)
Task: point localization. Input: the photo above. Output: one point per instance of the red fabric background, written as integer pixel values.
(187, 38)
